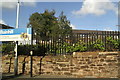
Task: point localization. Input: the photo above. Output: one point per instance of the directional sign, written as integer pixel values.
(19, 34)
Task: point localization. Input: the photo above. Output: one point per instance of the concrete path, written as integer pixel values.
(11, 76)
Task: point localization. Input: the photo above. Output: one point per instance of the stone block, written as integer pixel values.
(80, 76)
(75, 73)
(62, 65)
(56, 69)
(102, 67)
(89, 62)
(102, 60)
(92, 65)
(99, 65)
(111, 60)
(65, 69)
(67, 73)
(84, 67)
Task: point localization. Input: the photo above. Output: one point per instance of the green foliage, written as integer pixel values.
(80, 46)
(61, 46)
(38, 50)
(68, 48)
(112, 44)
(64, 25)
(8, 48)
(42, 23)
(119, 43)
(47, 25)
(24, 49)
(64, 47)
(97, 45)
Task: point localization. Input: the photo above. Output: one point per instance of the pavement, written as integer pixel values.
(11, 76)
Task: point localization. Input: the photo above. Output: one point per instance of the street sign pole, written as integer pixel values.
(16, 47)
(16, 59)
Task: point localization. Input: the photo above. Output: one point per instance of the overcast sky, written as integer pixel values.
(88, 15)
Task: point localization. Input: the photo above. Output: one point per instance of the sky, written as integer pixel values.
(87, 15)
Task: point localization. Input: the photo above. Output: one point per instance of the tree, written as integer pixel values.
(64, 25)
(41, 23)
(46, 25)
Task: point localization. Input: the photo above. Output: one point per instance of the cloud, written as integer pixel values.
(11, 4)
(2, 22)
(29, 4)
(96, 7)
(73, 26)
(108, 29)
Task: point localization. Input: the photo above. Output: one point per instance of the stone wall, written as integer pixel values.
(79, 65)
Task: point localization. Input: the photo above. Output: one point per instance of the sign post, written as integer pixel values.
(16, 59)
(31, 53)
(16, 47)
(19, 34)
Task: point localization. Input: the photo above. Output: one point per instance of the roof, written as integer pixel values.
(89, 31)
(3, 26)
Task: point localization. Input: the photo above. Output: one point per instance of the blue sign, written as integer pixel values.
(18, 34)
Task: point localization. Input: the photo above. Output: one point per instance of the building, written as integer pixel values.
(89, 31)
(3, 26)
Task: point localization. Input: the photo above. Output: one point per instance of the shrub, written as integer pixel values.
(69, 48)
(38, 50)
(24, 49)
(64, 47)
(97, 46)
(52, 49)
(8, 48)
(79, 46)
(112, 44)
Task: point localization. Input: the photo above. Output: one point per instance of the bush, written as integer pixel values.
(58, 47)
(8, 48)
(112, 44)
(38, 50)
(52, 49)
(97, 46)
(79, 46)
(64, 47)
(24, 49)
(69, 48)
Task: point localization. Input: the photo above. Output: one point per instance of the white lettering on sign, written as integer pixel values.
(6, 32)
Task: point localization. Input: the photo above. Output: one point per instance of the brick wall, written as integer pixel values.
(80, 65)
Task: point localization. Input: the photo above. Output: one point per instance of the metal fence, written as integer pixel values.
(59, 46)
(65, 44)
(93, 36)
